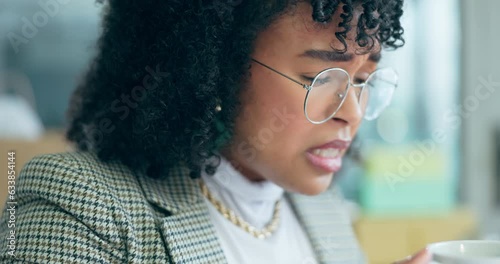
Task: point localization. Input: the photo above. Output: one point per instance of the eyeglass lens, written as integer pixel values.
(330, 88)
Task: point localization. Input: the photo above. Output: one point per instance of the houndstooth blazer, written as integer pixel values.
(73, 208)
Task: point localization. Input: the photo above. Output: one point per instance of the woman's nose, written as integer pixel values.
(350, 111)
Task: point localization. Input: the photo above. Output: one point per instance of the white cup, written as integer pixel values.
(465, 252)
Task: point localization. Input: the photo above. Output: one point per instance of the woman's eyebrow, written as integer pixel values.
(329, 56)
(375, 57)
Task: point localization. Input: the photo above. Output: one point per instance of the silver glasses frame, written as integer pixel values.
(308, 88)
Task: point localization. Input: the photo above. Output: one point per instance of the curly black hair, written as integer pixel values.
(163, 66)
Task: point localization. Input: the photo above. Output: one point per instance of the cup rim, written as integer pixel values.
(431, 247)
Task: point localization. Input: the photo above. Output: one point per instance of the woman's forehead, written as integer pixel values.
(296, 32)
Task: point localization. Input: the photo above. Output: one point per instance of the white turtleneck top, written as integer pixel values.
(254, 202)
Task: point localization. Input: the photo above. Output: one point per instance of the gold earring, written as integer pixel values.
(218, 108)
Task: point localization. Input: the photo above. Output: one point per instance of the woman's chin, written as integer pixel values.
(314, 186)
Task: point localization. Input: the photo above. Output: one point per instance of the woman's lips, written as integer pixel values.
(337, 144)
(328, 157)
(328, 164)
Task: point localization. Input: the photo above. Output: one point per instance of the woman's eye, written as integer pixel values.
(360, 77)
(358, 80)
(319, 81)
(309, 79)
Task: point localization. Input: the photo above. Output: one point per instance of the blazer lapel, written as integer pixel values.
(186, 226)
(191, 237)
(328, 227)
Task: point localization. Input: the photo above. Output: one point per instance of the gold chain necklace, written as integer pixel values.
(229, 214)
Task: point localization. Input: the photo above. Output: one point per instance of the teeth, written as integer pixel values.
(327, 153)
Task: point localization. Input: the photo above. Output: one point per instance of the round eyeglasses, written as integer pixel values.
(328, 90)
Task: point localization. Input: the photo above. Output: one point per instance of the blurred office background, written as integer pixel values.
(428, 169)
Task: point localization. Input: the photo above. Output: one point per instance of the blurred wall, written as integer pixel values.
(481, 109)
(48, 45)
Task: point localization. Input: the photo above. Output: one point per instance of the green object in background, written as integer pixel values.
(410, 197)
(408, 180)
(408, 161)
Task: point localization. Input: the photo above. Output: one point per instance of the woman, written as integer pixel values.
(209, 132)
